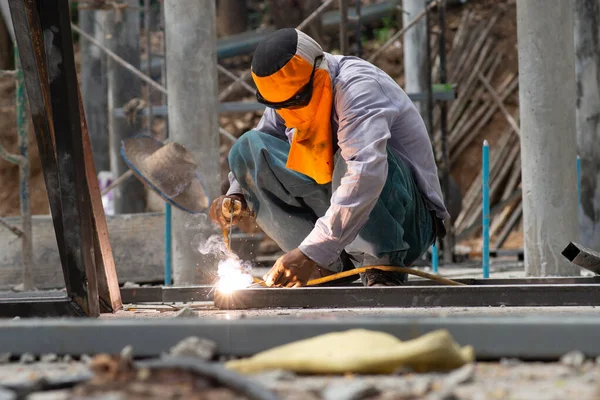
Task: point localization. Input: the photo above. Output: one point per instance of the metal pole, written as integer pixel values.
(23, 143)
(343, 27)
(168, 245)
(435, 258)
(358, 30)
(148, 62)
(193, 118)
(449, 239)
(547, 98)
(578, 163)
(93, 87)
(485, 209)
(123, 38)
(416, 51)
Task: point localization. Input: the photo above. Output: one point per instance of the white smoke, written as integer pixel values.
(233, 273)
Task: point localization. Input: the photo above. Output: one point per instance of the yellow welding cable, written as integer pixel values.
(357, 271)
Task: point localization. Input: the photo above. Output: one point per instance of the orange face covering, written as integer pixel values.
(311, 151)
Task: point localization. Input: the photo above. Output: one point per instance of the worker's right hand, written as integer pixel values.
(220, 210)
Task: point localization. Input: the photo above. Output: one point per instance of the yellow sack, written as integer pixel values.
(360, 351)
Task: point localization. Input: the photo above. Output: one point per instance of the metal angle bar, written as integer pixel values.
(583, 257)
(81, 279)
(424, 296)
(37, 305)
(188, 294)
(168, 294)
(530, 337)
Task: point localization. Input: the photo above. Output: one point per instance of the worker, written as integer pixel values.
(339, 172)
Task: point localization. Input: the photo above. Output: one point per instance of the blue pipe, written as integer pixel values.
(167, 244)
(435, 258)
(485, 209)
(578, 181)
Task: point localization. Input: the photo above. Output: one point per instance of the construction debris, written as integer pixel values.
(195, 347)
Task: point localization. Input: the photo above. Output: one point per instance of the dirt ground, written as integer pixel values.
(509, 379)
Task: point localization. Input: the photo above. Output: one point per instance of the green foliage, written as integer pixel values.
(385, 32)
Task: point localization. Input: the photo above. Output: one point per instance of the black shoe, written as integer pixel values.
(376, 277)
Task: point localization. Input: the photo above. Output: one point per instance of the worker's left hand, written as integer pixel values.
(293, 269)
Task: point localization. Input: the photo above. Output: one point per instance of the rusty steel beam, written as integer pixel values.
(55, 22)
(106, 274)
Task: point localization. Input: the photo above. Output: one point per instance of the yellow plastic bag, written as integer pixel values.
(360, 351)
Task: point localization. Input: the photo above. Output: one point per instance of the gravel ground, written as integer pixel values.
(510, 379)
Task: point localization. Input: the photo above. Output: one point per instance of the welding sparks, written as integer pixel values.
(232, 276)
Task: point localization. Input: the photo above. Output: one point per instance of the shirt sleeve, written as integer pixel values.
(270, 123)
(366, 114)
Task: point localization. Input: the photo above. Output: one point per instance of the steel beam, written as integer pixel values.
(81, 279)
(37, 305)
(525, 336)
(583, 257)
(186, 294)
(423, 296)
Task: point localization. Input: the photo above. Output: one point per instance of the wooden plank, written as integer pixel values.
(137, 244)
(108, 285)
(81, 280)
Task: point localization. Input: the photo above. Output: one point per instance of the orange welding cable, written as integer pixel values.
(357, 271)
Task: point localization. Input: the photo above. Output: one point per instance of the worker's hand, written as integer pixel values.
(293, 269)
(220, 210)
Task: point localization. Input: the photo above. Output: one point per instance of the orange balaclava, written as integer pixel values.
(291, 74)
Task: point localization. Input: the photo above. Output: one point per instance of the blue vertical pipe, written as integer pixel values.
(435, 257)
(578, 181)
(485, 209)
(167, 244)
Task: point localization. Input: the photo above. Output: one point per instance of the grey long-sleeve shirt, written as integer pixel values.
(370, 111)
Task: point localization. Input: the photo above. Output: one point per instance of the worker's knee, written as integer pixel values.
(243, 150)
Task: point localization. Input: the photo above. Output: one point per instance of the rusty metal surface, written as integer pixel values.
(106, 274)
(81, 278)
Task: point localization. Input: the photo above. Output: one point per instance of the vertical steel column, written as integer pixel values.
(23, 143)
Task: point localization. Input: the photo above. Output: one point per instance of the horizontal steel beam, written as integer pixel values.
(526, 337)
(251, 106)
(423, 296)
(186, 294)
(37, 305)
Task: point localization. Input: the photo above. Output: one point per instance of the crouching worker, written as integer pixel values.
(340, 170)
